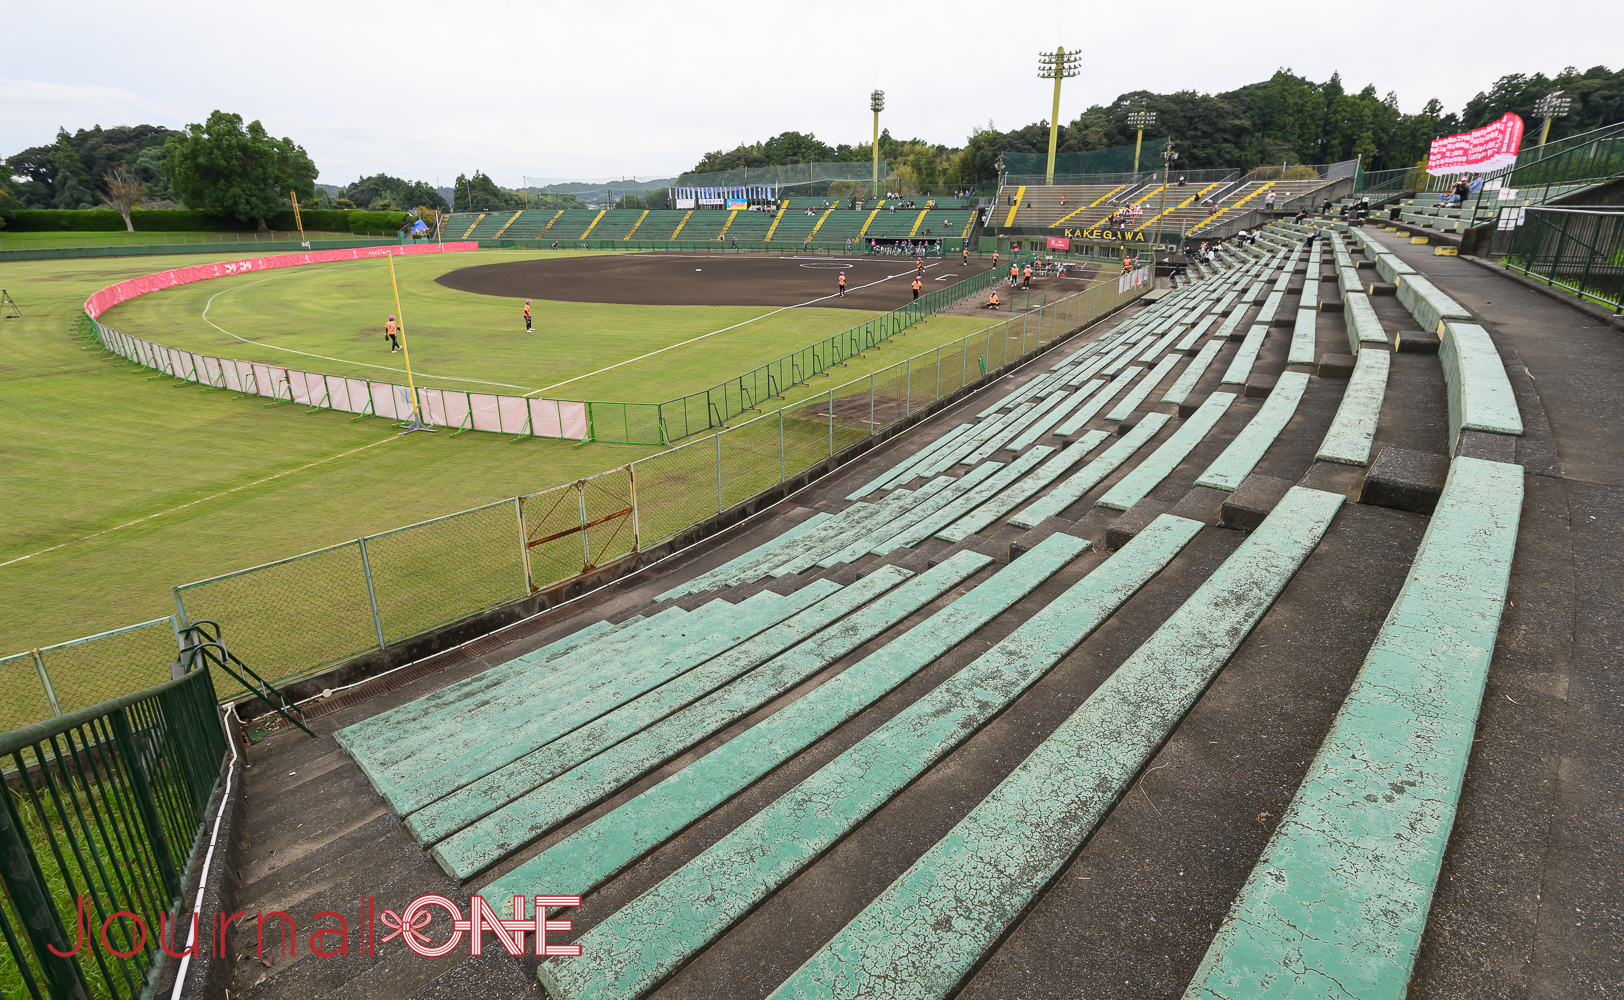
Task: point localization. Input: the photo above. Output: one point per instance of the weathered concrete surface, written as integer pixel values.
(1405, 480)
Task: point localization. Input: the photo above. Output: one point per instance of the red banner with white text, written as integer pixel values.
(1480, 150)
(112, 295)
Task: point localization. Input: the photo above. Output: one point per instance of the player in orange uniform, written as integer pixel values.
(916, 288)
(842, 286)
(391, 330)
(527, 327)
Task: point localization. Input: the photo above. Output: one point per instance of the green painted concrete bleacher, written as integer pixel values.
(1159, 464)
(642, 942)
(1342, 892)
(922, 935)
(494, 836)
(1479, 394)
(1241, 456)
(585, 859)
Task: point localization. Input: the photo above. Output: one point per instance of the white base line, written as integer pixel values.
(713, 333)
(193, 503)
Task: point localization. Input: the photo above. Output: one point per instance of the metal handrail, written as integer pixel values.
(213, 652)
(102, 815)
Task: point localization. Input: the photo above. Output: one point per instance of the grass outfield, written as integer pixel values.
(90, 448)
(117, 487)
(462, 340)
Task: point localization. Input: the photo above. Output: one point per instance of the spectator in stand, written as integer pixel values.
(1313, 235)
(1476, 185)
(1268, 200)
(1326, 206)
(1181, 180)
(1462, 191)
(1302, 213)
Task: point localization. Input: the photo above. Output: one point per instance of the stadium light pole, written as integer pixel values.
(1168, 156)
(876, 104)
(1552, 105)
(1056, 66)
(1140, 120)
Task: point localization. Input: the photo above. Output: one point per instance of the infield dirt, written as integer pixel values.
(872, 283)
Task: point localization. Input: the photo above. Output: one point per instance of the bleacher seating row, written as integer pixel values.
(486, 767)
(792, 224)
(1176, 208)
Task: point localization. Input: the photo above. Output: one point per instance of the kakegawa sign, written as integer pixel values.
(1101, 235)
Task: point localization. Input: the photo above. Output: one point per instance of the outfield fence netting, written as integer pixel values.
(295, 616)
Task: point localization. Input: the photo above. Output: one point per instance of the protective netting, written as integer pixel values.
(1117, 159)
(796, 177)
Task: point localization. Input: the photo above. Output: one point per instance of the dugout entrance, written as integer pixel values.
(881, 246)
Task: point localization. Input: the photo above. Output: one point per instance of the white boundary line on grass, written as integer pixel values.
(193, 503)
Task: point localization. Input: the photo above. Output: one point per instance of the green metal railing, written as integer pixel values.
(102, 811)
(1580, 250)
(700, 411)
(1591, 156)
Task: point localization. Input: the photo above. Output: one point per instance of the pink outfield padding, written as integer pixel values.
(124, 291)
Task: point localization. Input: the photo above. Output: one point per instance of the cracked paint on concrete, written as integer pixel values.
(696, 705)
(641, 943)
(926, 931)
(1338, 903)
(582, 861)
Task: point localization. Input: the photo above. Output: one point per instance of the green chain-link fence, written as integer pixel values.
(294, 616)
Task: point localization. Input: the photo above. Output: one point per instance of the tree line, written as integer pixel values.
(232, 169)
(1285, 119)
(222, 166)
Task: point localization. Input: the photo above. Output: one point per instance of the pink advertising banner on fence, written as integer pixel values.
(112, 295)
(443, 407)
(1488, 148)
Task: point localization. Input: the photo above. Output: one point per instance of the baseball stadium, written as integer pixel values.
(1100, 578)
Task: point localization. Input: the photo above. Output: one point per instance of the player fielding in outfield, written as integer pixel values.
(527, 327)
(390, 331)
(841, 287)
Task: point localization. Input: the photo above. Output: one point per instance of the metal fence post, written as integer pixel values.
(718, 472)
(781, 444)
(141, 788)
(938, 394)
(637, 528)
(45, 682)
(907, 391)
(524, 546)
(38, 917)
(871, 404)
(372, 593)
(586, 541)
(831, 421)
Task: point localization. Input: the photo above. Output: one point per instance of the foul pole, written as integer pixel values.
(416, 423)
(1056, 66)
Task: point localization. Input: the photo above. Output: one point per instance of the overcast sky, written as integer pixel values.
(590, 91)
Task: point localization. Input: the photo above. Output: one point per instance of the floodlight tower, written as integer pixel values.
(1552, 105)
(1169, 157)
(1140, 120)
(1056, 66)
(876, 104)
